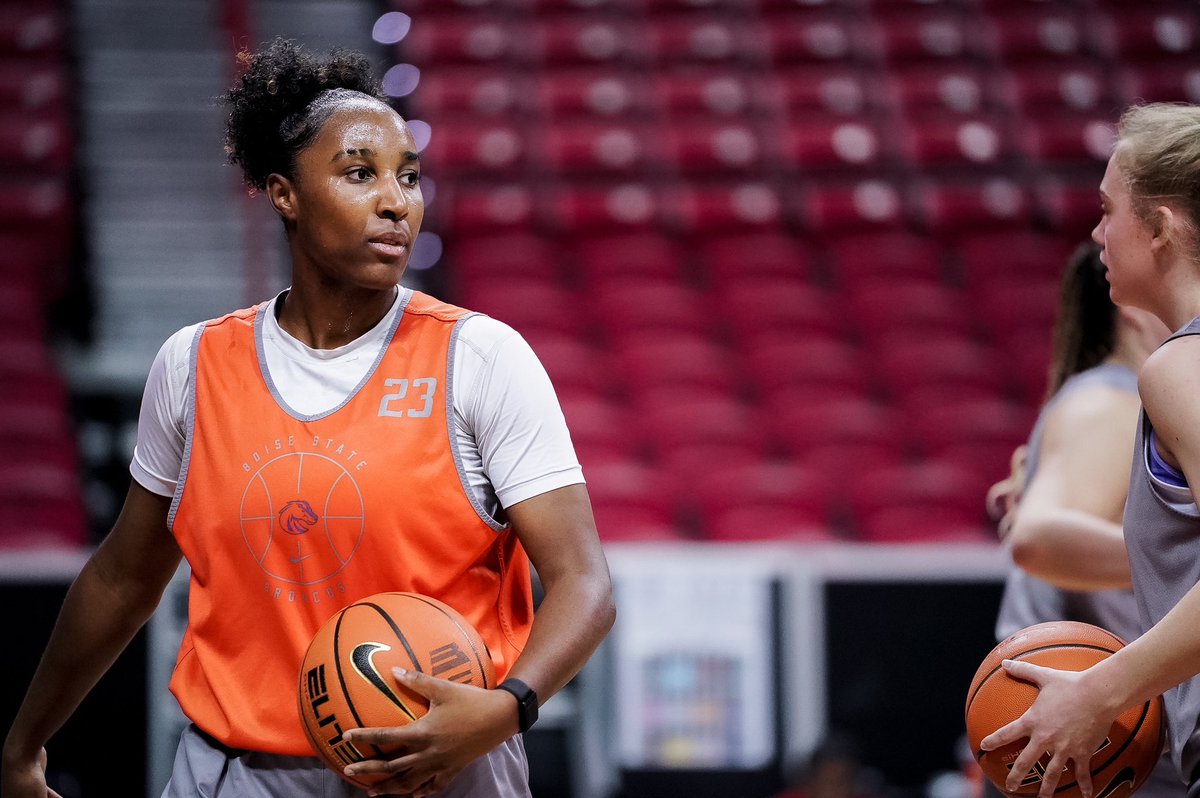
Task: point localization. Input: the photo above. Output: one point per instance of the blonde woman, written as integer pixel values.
(1150, 198)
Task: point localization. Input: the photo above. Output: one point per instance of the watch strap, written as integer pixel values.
(527, 702)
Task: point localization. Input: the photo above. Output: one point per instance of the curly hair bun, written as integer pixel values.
(271, 107)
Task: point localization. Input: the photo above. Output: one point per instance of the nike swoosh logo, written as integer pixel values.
(1124, 776)
(363, 658)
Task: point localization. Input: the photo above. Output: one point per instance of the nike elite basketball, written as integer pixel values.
(1126, 756)
(346, 678)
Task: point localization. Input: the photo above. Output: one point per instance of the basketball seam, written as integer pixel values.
(1023, 654)
(337, 662)
(412, 655)
(466, 636)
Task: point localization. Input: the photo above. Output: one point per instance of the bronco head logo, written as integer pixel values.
(297, 517)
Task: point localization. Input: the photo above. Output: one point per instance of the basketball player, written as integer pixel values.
(1150, 235)
(1066, 496)
(347, 437)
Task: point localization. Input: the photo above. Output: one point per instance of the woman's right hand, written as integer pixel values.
(25, 778)
(1068, 720)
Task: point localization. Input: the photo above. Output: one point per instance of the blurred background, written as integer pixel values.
(792, 265)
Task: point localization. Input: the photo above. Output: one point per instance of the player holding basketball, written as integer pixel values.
(347, 437)
(1064, 501)
(1150, 235)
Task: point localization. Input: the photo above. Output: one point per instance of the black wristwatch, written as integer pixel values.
(527, 701)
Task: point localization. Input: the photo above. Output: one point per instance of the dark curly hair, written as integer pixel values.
(282, 99)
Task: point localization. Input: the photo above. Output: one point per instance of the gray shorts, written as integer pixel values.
(206, 769)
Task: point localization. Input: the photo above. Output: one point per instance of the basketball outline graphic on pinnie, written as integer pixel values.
(363, 658)
(289, 538)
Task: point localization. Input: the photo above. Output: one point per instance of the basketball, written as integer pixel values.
(346, 677)
(995, 699)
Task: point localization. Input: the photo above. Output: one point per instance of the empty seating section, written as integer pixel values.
(40, 495)
(792, 264)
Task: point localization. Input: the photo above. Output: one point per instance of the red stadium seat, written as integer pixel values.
(1079, 85)
(763, 485)
(568, 7)
(1023, 34)
(744, 206)
(486, 208)
(961, 140)
(931, 501)
(585, 39)
(950, 363)
(957, 88)
(779, 307)
(816, 37)
(617, 522)
(679, 360)
(468, 148)
(600, 429)
(503, 256)
(719, 92)
(633, 486)
(832, 143)
(673, 417)
(701, 39)
(818, 363)
(602, 149)
(42, 525)
(889, 306)
(836, 88)
(957, 424)
(1012, 257)
(872, 206)
(574, 366)
(952, 209)
(1150, 31)
(638, 306)
(593, 209)
(899, 254)
(528, 305)
(766, 523)
(1165, 80)
(611, 257)
(1008, 305)
(917, 34)
(847, 420)
(1071, 208)
(730, 149)
(31, 33)
(592, 92)
(457, 91)
(39, 145)
(478, 38)
(1078, 139)
(32, 87)
(729, 259)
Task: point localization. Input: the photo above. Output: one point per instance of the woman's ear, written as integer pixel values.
(282, 193)
(1163, 223)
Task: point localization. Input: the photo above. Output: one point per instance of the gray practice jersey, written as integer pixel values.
(1162, 532)
(1028, 600)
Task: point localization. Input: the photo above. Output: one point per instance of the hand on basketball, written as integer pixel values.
(463, 723)
(26, 779)
(1067, 721)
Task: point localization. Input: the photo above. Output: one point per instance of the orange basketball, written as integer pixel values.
(346, 678)
(995, 699)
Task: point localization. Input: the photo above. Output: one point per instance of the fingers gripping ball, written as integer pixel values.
(995, 699)
(346, 677)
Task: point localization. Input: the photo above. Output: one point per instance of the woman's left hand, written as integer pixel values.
(463, 723)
